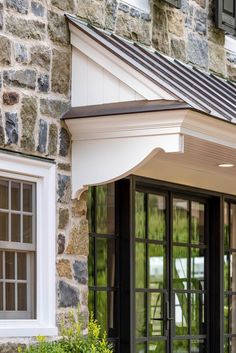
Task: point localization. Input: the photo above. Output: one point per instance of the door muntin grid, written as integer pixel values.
(174, 251)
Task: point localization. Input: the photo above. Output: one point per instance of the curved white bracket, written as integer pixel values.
(105, 149)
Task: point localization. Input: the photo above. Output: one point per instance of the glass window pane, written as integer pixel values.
(232, 345)
(232, 314)
(140, 265)
(90, 211)
(141, 315)
(140, 215)
(141, 348)
(198, 346)
(1, 264)
(180, 267)
(10, 296)
(226, 314)
(226, 225)
(112, 307)
(102, 311)
(233, 226)
(181, 314)
(15, 227)
(226, 345)
(111, 262)
(197, 268)
(4, 226)
(197, 314)
(156, 261)
(156, 217)
(105, 209)
(156, 314)
(226, 271)
(4, 194)
(21, 266)
(197, 222)
(15, 195)
(91, 302)
(180, 346)
(157, 347)
(180, 221)
(1, 296)
(101, 249)
(10, 265)
(27, 197)
(233, 271)
(22, 296)
(27, 229)
(91, 262)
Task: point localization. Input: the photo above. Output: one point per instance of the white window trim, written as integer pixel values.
(42, 173)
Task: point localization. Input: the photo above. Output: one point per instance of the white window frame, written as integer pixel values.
(143, 5)
(43, 174)
(230, 43)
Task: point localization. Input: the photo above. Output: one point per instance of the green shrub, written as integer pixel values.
(73, 341)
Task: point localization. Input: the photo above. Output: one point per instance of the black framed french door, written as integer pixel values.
(170, 271)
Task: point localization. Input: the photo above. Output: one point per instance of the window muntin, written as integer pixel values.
(17, 249)
(103, 290)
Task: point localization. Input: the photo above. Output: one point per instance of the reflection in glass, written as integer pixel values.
(226, 225)
(156, 314)
(226, 272)
(111, 313)
(21, 266)
(197, 222)
(232, 271)
(140, 215)
(102, 310)
(156, 217)
(180, 221)
(10, 296)
(197, 314)
(226, 345)
(15, 227)
(27, 197)
(22, 296)
(226, 314)
(232, 314)
(10, 265)
(101, 249)
(140, 348)
(1, 296)
(111, 262)
(3, 194)
(233, 345)
(181, 314)
(105, 209)
(156, 261)
(91, 262)
(3, 226)
(198, 346)
(27, 229)
(140, 265)
(91, 301)
(180, 267)
(90, 209)
(180, 346)
(233, 226)
(15, 196)
(157, 347)
(1, 260)
(141, 315)
(197, 269)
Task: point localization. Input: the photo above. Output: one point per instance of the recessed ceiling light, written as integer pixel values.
(226, 165)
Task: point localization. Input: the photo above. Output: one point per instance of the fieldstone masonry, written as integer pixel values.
(35, 58)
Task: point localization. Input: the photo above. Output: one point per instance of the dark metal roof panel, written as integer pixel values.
(208, 92)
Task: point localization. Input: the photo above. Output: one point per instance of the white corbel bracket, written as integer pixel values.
(105, 149)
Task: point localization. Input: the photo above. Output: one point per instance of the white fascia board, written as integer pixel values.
(117, 67)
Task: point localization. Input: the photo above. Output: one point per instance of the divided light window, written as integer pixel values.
(17, 249)
(226, 15)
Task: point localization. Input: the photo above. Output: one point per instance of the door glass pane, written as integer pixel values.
(141, 348)
(4, 194)
(140, 215)
(105, 211)
(180, 221)
(233, 226)
(102, 310)
(111, 268)
(157, 347)
(156, 314)
(21, 266)
(180, 267)
(226, 272)
(226, 345)
(198, 346)
(232, 344)
(15, 227)
(27, 229)
(27, 197)
(140, 265)
(101, 249)
(181, 314)
(233, 272)
(141, 315)
(232, 314)
(111, 301)
(91, 262)
(197, 222)
(226, 314)
(3, 226)
(22, 296)
(91, 209)
(10, 264)
(156, 217)
(197, 268)
(1, 264)
(10, 296)
(91, 301)
(156, 261)
(1, 296)
(15, 196)
(226, 225)
(180, 346)
(197, 314)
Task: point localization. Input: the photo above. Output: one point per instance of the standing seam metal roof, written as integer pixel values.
(206, 91)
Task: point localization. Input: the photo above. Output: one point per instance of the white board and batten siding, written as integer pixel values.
(92, 84)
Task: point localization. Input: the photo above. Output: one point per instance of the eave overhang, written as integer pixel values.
(108, 147)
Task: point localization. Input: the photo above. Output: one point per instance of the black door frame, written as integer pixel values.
(125, 207)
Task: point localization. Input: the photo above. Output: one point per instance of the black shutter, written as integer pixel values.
(226, 16)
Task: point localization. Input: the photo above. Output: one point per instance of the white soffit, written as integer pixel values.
(106, 69)
(105, 149)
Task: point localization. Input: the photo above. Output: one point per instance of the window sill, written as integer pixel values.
(230, 44)
(25, 328)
